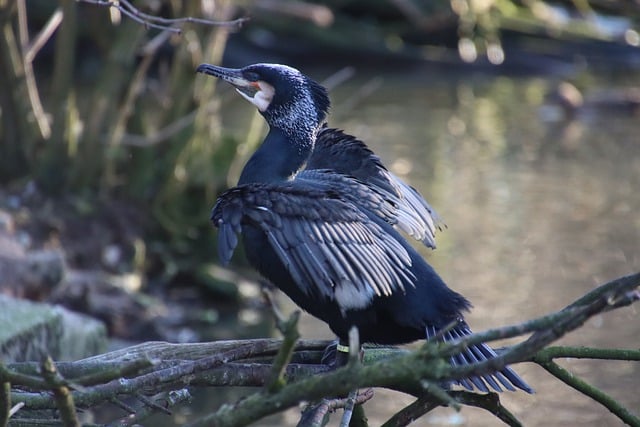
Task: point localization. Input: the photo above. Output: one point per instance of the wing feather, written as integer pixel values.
(328, 244)
(406, 209)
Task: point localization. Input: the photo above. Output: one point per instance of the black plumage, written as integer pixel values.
(326, 235)
(347, 155)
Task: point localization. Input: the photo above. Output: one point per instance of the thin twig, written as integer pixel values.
(491, 403)
(314, 415)
(289, 329)
(167, 24)
(172, 398)
(626, 283)
(5, 402)
(16, 378)
(44, 35)
(439, 394)
(348, 408)
(14, 410)
(554, 352)
(151, 404)
(122, 405)
(61, 394)
(593, 392)
(412, 412)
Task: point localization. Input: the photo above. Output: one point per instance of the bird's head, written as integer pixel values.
(287, 99)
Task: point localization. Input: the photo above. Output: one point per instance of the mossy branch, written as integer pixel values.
(61, 394)
(550, 353)
(5, 402)
(154, 368)
(591, 391)
(545, 358)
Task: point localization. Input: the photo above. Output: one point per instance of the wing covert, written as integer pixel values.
(347, 155)
(329, 246)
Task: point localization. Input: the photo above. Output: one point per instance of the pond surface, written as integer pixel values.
(538, 212)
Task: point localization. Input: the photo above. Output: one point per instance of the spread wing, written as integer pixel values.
(327, 244)
(344, 154)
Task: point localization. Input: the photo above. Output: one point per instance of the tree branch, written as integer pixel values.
(5, 402)
(489, 402)
(550, 353)
(592, 392)
(30, 80)
(315, 415)
(156, 367)
(289, 329)
(61, 394)
(167, 24)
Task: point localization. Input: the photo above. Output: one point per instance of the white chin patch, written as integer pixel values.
(262, 98)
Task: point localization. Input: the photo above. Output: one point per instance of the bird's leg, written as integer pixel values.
(342, 354)
(336, 354)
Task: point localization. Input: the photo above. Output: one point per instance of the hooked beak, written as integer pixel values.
(232, 76)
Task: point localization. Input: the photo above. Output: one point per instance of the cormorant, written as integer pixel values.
(327, 239)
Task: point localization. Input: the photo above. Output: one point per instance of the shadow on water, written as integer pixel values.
(538, 213)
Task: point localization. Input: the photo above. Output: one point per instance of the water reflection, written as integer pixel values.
(538, 214)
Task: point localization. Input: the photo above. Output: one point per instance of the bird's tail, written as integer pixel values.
(505, 378)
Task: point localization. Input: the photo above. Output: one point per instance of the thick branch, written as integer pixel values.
(155, 367)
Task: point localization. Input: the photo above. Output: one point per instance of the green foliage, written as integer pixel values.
(114, 110)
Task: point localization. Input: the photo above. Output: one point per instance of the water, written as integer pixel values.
(538, 214)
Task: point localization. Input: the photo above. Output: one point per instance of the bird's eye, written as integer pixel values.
(251, 76)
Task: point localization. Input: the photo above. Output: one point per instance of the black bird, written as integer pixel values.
(327, 239)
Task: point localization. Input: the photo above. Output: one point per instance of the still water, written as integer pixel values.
(539, 212)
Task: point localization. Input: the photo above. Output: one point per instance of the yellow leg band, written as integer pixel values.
(342, 348)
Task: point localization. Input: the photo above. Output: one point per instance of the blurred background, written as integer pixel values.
(517, 120)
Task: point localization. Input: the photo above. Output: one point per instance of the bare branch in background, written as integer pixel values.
(43, 36)
(152, 21)
(32, 88)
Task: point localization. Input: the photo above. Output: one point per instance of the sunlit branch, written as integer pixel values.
(168, 24)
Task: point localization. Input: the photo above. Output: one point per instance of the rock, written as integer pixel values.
(27, 274)
(31, 331)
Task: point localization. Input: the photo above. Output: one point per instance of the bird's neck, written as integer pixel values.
(280, 157)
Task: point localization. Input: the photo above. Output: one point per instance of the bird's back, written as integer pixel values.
(346, 155)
